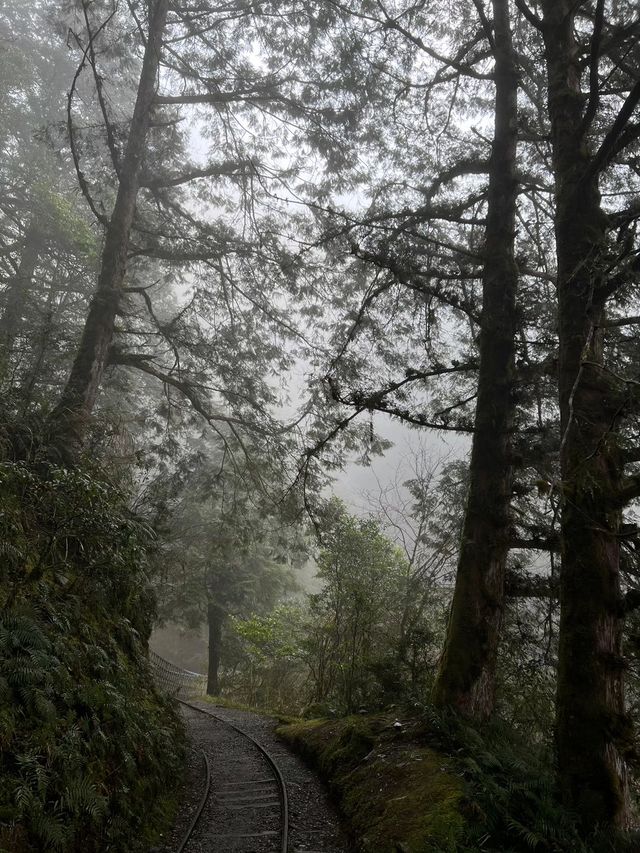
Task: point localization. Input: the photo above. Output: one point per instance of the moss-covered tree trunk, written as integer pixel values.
(591, 722)
(215, 621)
(466, 676)
(70, 416)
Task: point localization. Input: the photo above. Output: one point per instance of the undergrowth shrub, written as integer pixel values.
(89, 753)
(513, 804)
(436, 784)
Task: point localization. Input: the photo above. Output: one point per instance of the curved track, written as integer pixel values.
(238, 798)
(203, 801)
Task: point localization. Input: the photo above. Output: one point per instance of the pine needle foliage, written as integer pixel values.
(89, 753)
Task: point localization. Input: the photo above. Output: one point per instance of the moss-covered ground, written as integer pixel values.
(435, 783)
(398, 793)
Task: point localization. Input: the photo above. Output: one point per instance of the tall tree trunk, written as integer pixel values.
(215, 620)
(592, 730)
(41, 346)
(78, 397)
(16, 292)
(466, 676)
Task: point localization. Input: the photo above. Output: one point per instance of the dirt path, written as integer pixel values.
(229, 824)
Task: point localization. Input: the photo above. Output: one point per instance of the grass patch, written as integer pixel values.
(223, 702)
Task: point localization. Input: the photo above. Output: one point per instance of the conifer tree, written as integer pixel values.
(593, 90)
(466, 679)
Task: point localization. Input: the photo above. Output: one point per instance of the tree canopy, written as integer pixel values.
(235, 237)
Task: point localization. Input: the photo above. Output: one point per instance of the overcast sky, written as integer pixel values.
(396, 466)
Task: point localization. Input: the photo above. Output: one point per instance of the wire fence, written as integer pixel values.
(174, 680)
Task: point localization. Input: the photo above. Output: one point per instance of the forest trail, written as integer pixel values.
(234, 823)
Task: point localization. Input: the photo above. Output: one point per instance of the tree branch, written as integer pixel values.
(527, 585)
(466, 70)
(142, 363)
(608, 149)
(630, 455)
(376, 400)
(227, 168)
(628, 490)
(111, 141)
(528, 13)
(486, 26)
(418, 281)
(536, 543)
(622, 321)
(84, 186)
(631, 601)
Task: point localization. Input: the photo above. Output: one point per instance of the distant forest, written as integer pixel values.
(234, 238)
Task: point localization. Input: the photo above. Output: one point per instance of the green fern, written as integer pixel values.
(82, 797)
(76, 699)
(51, 831)
(511, 790)
(10, 552)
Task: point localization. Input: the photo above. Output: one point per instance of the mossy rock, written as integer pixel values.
(397, 793)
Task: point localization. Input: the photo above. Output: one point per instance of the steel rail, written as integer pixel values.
(282, 788)
(205, 796)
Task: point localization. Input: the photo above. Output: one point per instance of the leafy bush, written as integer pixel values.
(89, 751)
(269, 668)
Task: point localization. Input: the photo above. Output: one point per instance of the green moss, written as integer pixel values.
(436, 784)
(396, 793)
(409, 798)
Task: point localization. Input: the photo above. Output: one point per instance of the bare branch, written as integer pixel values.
(226, 168)
(533, 19)
(111, 141)
(84, 186)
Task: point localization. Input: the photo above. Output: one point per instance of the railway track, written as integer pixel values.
(246, 809)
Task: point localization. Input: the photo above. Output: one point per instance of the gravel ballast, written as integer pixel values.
(314, 826)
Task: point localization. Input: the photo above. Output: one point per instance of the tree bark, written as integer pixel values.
(15, 294)
(215, 620)
(40, 347)
(70, 416)
(466, 675)
(592, 730)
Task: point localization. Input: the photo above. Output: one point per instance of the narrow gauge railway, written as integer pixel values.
(244, 806)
